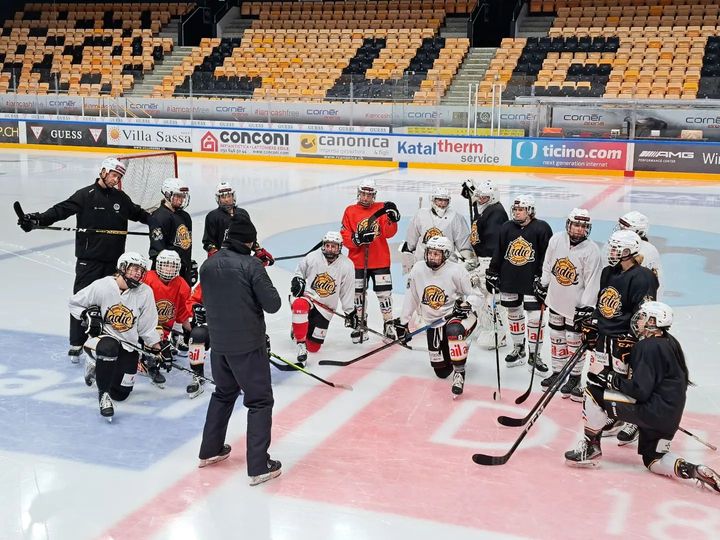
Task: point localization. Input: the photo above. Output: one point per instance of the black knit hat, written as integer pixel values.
(241, 229)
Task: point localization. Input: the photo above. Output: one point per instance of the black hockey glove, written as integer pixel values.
(467, 190)
(29, 221)
(401, 331)
(193, 273)
(392, 212)
(461, 309)
(590, 333)
(92, 320)
(605, 379)
(363, 237)
(539, 290)
(165, 355)
(199, 315)
(623, 347)
(297, 286)
(352, 320)
(582, 313)
(492, 281)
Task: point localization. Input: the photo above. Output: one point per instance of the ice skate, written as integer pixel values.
(627, 434)
(359, 336)
(195, 388)
(549, 381)
(577, 394)
(157, 378)
(106, 406)
(587, 453)
(89, 371)
(458, 383)
(389, 332)
(222, 455)
(301, 355)
(706, 477)
(516, 357)
(74, 354)
(613, 427)
(537, 363)
(274, 470)
(567, 388)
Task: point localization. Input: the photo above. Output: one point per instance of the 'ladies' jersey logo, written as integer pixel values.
(434, 297)
(166, 311)
(565, 272)
(323, 285)
(183, 238)
(520, 252)
(474, 238)
(120, 318)
(432, 232)
(610, 302)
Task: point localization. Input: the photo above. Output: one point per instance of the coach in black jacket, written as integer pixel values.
(236, 292)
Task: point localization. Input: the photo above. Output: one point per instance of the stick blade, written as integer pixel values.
(484, 459)
(521, 399)
(510, 422)
(343, 386)
(332, 363)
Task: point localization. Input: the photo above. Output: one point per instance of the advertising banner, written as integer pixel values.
(9, 131)
(66, 133)
(241, 141)
(677, 157)
(563, 153)
(452, 150)
(154, 137)
(343, 146)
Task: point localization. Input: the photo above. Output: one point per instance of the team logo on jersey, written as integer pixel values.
(324, 285)
(156, 234)
(183, 239)
(565, 272)
(120, 318)
(520, 252)
(610, 302)
(432, 232)
(434, 297)
(363, 226)
(474, 238)
(116, 207)
(166, 311)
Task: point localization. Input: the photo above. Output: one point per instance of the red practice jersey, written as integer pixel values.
(171, 299)
(356, 218)
(195, 298)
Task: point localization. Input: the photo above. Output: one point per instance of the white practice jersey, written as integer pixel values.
(328, 283)
(425, 224)
(571, 273)
(432, 293)
(651, 261)
(128, 315)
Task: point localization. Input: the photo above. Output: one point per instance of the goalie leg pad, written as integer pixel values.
(516, 319)
(300, 314)
(198, 344)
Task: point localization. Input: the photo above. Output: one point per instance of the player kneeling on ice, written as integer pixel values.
(653, 399)
(438, 289)
(322, 278)
(119, 311)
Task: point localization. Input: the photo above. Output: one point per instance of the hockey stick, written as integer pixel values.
(496, 395)
(306, 372)
(331, 310)
(382, 348)
(21, 215)
(286, 257)
(567, 368)
(484, 459)
(698, 439)
(521, 399)
(363, 318)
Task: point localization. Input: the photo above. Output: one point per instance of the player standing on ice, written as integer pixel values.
(639, 224)
(440, 287)
(100, 205)
(569, 287)
(653, 398)
(488, 216)
(328, 277)
(515, 264)
(119, 311)
(624, 287)
(366, 227)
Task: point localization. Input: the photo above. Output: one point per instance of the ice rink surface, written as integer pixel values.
(390, 459)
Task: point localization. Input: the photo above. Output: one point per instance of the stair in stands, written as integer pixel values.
(236, 28)
(534, 26)
(455, 26)
(154, 78)
(471, 71)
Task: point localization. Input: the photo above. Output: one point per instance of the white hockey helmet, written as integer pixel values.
(331, 238)
(622, 245)
(634, 221)
(167, 264)
(526, 202)
(114, 165)
(224, 188)
(580, 217)
(128, 259)
(441, 244)
(172, 187)
(367, 187)
(442, 194)
(651, 316)
(486, 188)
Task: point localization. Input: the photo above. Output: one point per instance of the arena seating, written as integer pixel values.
(83, 49)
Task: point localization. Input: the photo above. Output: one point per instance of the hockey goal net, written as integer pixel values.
(145, 175)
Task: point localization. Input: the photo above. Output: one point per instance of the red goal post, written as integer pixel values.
(144, 176)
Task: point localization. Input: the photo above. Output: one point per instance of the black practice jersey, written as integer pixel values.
(519, 255)
(97, 207)
(658, 383)
(216, 223)
(621, 294)
(171, 230)
(485, 228)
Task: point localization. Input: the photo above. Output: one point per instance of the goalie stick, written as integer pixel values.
(485, 459)
(21, 215)
(292, 366)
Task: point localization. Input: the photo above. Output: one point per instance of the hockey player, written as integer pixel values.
(569, 286)
(100, 205)
(489, 216)
(516, 262)
(171, 227)
(639, 224)
(171, 294)
(120, 312)
(624, 286)
(322, 278)
(653, 398)
(366, 227)
(439, 288)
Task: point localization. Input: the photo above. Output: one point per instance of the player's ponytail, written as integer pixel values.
(679, 356)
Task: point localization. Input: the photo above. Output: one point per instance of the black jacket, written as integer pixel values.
(485, 228)
(97, 208)
(621, 294)
(216, 223)
(236, 290)
(171, 230)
